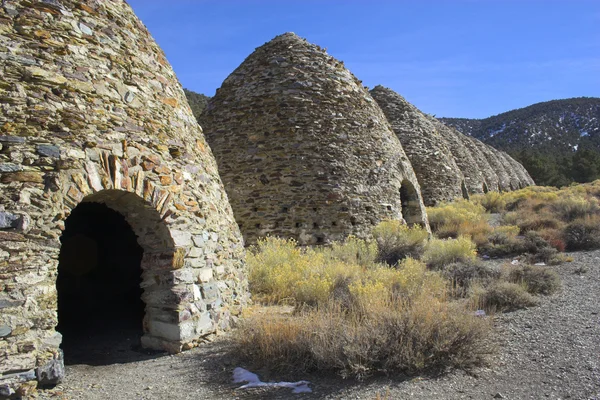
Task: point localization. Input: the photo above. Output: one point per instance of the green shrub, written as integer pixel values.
(352, 251)
(507, 296)
(574, 206)
(455, 214)
(396, 241)
(464, 275)
(503, 241)
(493, 202)
(539, 249)
(441, 252)
(583, 234)
(536, 279)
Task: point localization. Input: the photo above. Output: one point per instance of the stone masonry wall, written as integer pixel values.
(513, 180)
(522, 174)
(478, 151)
(439, 176)
(463, 157)
(303, 149)
(92, 111)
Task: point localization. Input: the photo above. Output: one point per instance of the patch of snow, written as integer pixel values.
(496, 131)
(575, 147)
(243, 375)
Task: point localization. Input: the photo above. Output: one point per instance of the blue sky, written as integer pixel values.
(458, 58)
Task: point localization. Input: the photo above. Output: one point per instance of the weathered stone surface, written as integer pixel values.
(52, 372)
(8, 220)
(478, 150)
(88, 102)
(464, 158)
(439, 176)
(47, 150)
(303, 149)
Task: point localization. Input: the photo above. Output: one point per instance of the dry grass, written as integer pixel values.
(492, 202)
(355, 315)
(461, 218)
(536, 279)
(396, 241)
(391, 336)
(506, 296)
(352, 319)
(441, 252)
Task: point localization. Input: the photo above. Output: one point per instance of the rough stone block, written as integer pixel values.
(52, 372)
(8, 220)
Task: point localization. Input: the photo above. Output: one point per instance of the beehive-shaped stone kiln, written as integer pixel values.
(439, 176)
(303, 149)
(103, 167)
(447, 163)
(474, 177)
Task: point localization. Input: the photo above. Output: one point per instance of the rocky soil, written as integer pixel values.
(547, 352)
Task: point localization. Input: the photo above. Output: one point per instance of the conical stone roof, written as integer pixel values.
(463, 157)
(93, 112)
(479, 150)
(497, 166)
(513, 180)
(303, 149)
(439, 176)
(522, 174)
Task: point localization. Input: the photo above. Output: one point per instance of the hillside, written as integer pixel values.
(557, 141)
(196, 101)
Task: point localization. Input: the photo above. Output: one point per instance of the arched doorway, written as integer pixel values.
(104, 248)
(463, 188)
(411, 210)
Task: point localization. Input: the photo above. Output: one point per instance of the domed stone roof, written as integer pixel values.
(479, 152)
(93, 113)
(522, 175)
(513, 180)
(465, 160)
(439, 176)
(303, 149)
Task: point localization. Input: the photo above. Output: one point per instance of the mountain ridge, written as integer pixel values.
(558, 141)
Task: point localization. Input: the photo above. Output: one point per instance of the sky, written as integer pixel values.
(450, 58)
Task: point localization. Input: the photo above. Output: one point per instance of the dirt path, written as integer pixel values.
(547, 352)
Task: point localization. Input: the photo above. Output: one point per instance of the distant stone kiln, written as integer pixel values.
(448, 164)
(439, 176)
(99, 150)
(303, 149)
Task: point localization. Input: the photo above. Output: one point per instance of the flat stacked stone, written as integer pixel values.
(513, 179)
(464, 158)
(478, 149)
(303, 149)
(439, 177)
(497, 166)
(92, 111)
(522, 174)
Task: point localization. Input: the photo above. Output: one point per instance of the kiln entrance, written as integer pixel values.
(100, 310)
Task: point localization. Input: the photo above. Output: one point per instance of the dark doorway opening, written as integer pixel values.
(100, 310)
(465, 192)
(409, 198)
(485, 188)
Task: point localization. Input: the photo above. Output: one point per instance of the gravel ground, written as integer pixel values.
(547, 352)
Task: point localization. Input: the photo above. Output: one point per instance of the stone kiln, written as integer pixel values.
(439, 176)
(304, 151)
(103, 166)
(448, 164)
